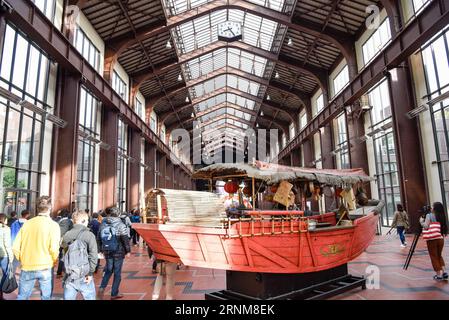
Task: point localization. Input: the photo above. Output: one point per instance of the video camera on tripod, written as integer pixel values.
(424, 211)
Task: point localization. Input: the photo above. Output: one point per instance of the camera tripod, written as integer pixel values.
(412, 249)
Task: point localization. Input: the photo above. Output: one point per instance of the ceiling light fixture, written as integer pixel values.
(261, 114)
(179, 77)
(277, 76)
(268, 97)
(168, 45)
(187, 100)
(290, 42)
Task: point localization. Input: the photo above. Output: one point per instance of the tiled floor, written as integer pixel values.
(385, 253)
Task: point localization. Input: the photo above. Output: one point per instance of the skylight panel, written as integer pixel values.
(277, 5)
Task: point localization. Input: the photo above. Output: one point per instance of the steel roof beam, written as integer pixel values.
(305, 98)
(224, 90)
(319, 74)
(340, 39)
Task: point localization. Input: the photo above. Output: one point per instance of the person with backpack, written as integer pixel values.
(400, 222)
(37, 248)
(135, 218)
(435, 227)
(6, 254)
(127, 222)
(94, 226)
(80, 259)
(15, 228)
(113, 241)
(65, 224)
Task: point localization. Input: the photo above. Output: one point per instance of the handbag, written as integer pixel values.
(10, 284)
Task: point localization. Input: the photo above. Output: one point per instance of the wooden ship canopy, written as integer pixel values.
(274, 173)
(186, 207)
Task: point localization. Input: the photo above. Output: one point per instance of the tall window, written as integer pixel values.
(87, 49)
(25, 71)
(122, 164)
(341, 142)
(163, 135)
(87, 149)
(436, 64)
(374, 45)
(319, 104)
(302, 120)
(139, 109)
(385, 152)
(284, 140)
(341, 80)
(47, 7)
(292, 130)
(419, 5)
(153, 122)
(119, 86)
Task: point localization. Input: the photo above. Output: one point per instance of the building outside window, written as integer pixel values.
(87, 49)
(341, 142)
(284, 140)
(87, 179)
(119, 86)
(374, 45)
(387, 172)
(163, 135)
(341, 80)
(436, 65)
(122, 165)
(25, 70)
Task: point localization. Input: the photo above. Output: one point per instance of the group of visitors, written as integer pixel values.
(73, 242)
(434, 228)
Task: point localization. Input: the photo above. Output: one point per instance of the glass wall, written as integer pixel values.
(341, 142)
(122, 165)
(87, 49)
(341, 80)
(374, 45)
(87, 178)
(387, 172)
(436, 64)
(25, 71)
(119, 86)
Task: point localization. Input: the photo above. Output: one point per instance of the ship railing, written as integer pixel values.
(269, 226)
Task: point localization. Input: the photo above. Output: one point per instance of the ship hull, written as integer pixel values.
(302, 252)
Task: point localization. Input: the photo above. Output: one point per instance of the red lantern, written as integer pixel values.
(247, 191)
(231, 187)
(274, 188)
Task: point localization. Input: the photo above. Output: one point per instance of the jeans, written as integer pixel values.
(15, 265)
(71, 289)
(4, 262)
(27, 280)
(113, 265)
(401, 234)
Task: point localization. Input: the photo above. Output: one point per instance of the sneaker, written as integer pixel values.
(403, 245)
(445, 276)
(438, 278)
(119, 296)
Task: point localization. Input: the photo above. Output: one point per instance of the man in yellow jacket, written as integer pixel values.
(37, 247)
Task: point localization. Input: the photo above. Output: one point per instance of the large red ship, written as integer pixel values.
(265, 241)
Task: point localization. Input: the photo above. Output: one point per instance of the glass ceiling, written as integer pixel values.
(203, 31)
